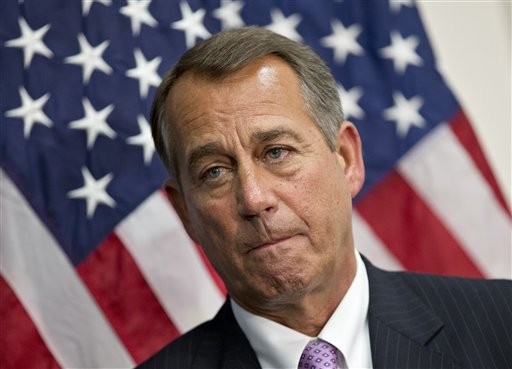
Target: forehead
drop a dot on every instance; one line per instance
(266, 77)
(264, 93)
(263, 85)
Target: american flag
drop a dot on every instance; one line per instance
(96, 269)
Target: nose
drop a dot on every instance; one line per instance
(255, 192)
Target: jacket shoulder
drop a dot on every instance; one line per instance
(441, 292)
(218, 343)
(461, 293)
(181, 352)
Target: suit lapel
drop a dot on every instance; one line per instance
(404, 331)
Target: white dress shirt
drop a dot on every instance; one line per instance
(280, 347)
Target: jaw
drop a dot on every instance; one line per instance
(301, 299)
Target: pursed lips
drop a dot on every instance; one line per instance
(260, 244)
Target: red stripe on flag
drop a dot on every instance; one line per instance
(21, 346)
(411, 231)
(466, 135)
(126, 299)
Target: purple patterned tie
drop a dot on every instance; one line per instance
(318, 355)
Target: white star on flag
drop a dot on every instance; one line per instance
(349, 101)
(31, 111)
(405, 113)
(94, 122)
(229, 14)
(138, 12)
(343, 40)
(31, 41)
(143, 139)
(93, 192)
(396, 5)
(402, 51)
(90, 58)
(192, 24)
(86, 5)
(285, 26)
(145, 72)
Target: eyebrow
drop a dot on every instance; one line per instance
(274, 134)
(213, 148)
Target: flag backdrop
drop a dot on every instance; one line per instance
(96, 270)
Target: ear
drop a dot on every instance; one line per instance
(173, 190)
(348, 146)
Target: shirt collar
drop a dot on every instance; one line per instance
(352, 339)
(278, 346)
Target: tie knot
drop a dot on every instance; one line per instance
(318, 355)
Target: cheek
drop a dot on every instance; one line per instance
(211, 213)
(216, 231)
(326, 200)
(210, 230)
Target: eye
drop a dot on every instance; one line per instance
(212, 173)
(276, 153)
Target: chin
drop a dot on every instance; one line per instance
(287, 287)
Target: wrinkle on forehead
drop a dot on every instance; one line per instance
(201, 106)
(268, 70)
(269, 74)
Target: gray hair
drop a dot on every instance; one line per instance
(230, 51)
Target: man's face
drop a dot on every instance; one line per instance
(260, 190)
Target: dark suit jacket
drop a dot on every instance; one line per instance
(416, 321)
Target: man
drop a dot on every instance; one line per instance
(263, 170)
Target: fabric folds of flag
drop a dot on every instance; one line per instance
(96, 269)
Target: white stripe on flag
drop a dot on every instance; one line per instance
(69, 321)
(368, 244)
(443, 174)
(170, 262)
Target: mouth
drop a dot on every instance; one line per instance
(270, 243)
